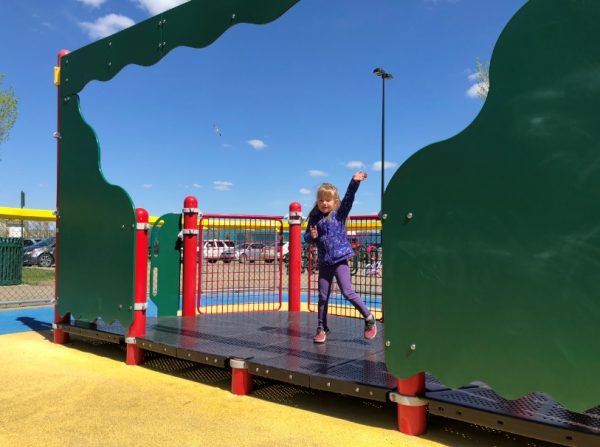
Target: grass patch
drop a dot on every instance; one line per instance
(36, 275)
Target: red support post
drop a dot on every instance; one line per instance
(135, 355)
(60, 336)
(412, 411)
(295, 256)
(241, 379)
(190, 255)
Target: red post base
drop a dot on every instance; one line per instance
(135, 355)
(412, 420)
(61, 337)
(241, 379)
(412, 415)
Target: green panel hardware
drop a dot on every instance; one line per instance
(492, 238)
(165, 264)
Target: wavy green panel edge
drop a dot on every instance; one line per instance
(97, 227)
(195, 24)
(495, 276)
(96, 219)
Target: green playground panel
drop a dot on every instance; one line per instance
(97, 219)
(494, 276)
(165, 264)
(97, 226)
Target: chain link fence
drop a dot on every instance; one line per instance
(27, 262)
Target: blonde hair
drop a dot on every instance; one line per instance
(329, 191)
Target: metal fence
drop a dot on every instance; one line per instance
(26, 262)
(240, 263)
(366, 268)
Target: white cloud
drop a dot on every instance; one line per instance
(147, 185)
(107, 25)
(316, 173)
(92, 3)
(221, 185)
(257, 144)
(355, 164)
(305, 191)
(226, 145)
(196, 185)
(388, 165)
(157, 6)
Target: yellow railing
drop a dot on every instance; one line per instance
(48, 216)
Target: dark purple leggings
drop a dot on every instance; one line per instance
(341, 271)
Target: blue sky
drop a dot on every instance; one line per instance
(261, 117)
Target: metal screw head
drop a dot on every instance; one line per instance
(388, 343)
(413, 347)
(409, 216)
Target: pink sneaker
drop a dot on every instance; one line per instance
(370, 329)
(321, 335)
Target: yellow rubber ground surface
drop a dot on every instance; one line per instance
(83, 394)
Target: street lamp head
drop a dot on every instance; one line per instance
(381, 72)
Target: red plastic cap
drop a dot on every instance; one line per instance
(62, 53)
(295, 206)
(190, 202)
(142, 215)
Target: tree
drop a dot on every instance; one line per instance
(8, 110)
(483, 77)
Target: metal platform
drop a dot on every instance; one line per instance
(279, 346)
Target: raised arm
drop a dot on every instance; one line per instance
(348, 199)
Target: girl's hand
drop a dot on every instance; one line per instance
(360, 176)
(313, 232)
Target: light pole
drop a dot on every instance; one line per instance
(384, 77)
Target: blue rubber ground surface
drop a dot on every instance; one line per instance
(37, 318)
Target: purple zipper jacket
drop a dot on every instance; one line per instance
(332, 241)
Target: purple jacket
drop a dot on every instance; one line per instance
(332, 241)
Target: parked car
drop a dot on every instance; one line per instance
(246, 252)
(274, 252)
(214, 248)
(29, 242)
(41, 253)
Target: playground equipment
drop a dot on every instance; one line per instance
(491, 243)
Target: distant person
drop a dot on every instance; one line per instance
(326, 227)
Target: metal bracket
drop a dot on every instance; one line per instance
(238, 364)
(140, 306)
(408, 401)
(191, 231)
(130, 340)
(142, 226)
(295, 218)
(191, 211)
